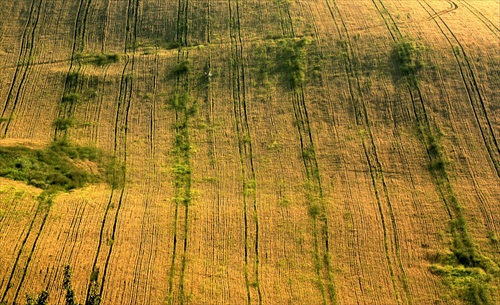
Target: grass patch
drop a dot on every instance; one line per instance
(60, 166)
(64, 123)
(407, 60)
(71, 98)
(471, 284)
(181, 68)
(291, 61)
(100, 60)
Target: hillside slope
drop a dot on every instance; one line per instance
(262, 152)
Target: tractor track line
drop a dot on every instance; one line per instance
(71, 85)
(362, 120)
(314, 189)
(31, 43)
(488, 23)
(245, 151)
(474, 93)
(21, 53)
(124, 97)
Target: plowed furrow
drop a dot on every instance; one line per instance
(492, 26)
(391, 243)
(470, 81)
(25, 59)
(73, 82)
(25, 253)
(250, 209)
(109, 224)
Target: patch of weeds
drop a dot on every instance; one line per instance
(94, 297)
(64, 123)
(285, 202)
(181, 68)
(291, 61)
(471, 284)
(37, 300)
(72, 79)
(407, 59)
(308, 153)
(492, 237)
(100, 60)
(71, 98)
(2, 120)
(59, 166)
(314, 210)
(70, 292)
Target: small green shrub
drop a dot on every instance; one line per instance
(105, 59)
(70, 98)
(64, 123)
(291, 59)
(37, 300)
(407, 58)
(101, 59)
(181, 68)
(54, 167)
(314, 210)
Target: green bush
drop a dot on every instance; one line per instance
(407, 58)
(291, 58)
(70, 98)
(181, 68)
(64, 123)
(54, 167)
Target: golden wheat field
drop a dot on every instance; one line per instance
(250, 152)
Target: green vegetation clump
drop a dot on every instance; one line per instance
(37, 300)
(57, 167)
(64, 123)
(70, 98)
(100, 60)
(181, 68)
(471, 284)
(291, 58)
(407, 58)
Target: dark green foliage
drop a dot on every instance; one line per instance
(70, 293)
(51, 168)
(94, 298)
(40, 300)
(471, 284)
(64, 123)
(72, 79)
(291, 58)
(179, 102)
(314, 210)
(181, 68)
(407, 58)
(106, 59)
(101, 59)
(70, 98)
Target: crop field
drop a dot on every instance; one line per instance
(250, 152)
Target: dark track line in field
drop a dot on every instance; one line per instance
(245, 149)
(43, 210)
(487, 22)
(19, 253)
(124, 101)
(314, 190)
(27, 46)
(473, 90)
(453, 6)
(179, 28)
(483, 206)
(375, 166)
(72, 80)
(183, 158)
